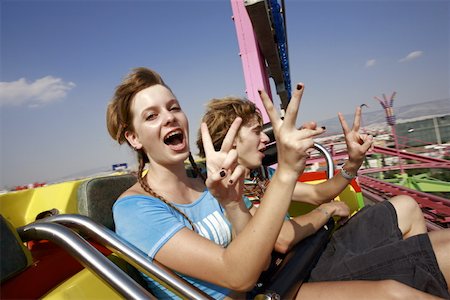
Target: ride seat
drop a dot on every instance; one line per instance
(96, 197)
(15, 257)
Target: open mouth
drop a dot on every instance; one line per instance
(174, 138)
(261, 150)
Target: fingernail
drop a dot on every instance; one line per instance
(323, 127)
(223, 173)
(299, 87)
(259, 92)
(230, 181)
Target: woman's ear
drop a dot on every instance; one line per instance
(133, 139)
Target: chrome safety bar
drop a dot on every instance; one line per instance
(87, 255)
(271, 151)
(328, 158)
(130, 254)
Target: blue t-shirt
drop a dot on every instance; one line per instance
(148, 223)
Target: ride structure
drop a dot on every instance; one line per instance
(261, 32)
(388, 106)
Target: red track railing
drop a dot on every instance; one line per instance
(436, 209)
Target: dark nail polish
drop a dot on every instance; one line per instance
(323, 127)
(259, 92)
(230, 181)
(222, 173)
(299, 87)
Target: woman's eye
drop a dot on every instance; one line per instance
(150, 117)
(175, 108)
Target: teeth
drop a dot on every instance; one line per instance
(174, 133)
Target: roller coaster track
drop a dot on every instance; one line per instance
(428, 162)
(436, 209)
(406, 167)
(408, 155)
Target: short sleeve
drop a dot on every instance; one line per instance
(146, 222)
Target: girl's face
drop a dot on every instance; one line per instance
(250, 144)
(160, 126)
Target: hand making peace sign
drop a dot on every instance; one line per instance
(357, 143)
(292, 143)
(225, 176)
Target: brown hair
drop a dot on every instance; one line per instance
(119, 119)
(220, 114)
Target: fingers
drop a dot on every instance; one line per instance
(227, 143)
(206, 140)
(309, 125)
(230, 159)
(309, 133)
(357, 119)
(238, 172)
(216, 176)
(368, 143)
(293, 106)
(344, 125)
(233, 178)
(270, 109)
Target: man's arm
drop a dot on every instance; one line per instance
(357, 146)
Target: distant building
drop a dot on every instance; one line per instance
(423, 131)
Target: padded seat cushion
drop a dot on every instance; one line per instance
(15, 257)
(96, 196)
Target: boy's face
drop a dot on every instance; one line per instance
(250, 144)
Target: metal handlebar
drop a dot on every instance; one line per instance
(130, 254)
(87, 255)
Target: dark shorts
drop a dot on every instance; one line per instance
(370, 246)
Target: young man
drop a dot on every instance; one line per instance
(371, 238)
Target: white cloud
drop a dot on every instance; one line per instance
(411, 56)
(42, 91)
(370, 63)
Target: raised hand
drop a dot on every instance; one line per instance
(357, 143)
(224, 175)
(292, 143)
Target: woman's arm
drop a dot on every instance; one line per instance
(239, 265)
(238, 215)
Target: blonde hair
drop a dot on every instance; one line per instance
(220, 114)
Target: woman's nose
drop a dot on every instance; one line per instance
(168, 117)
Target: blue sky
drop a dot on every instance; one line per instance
(60, 62)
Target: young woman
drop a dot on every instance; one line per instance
(388, 240)
(202, 230)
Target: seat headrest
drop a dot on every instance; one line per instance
(15, 257)
(96, 196)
